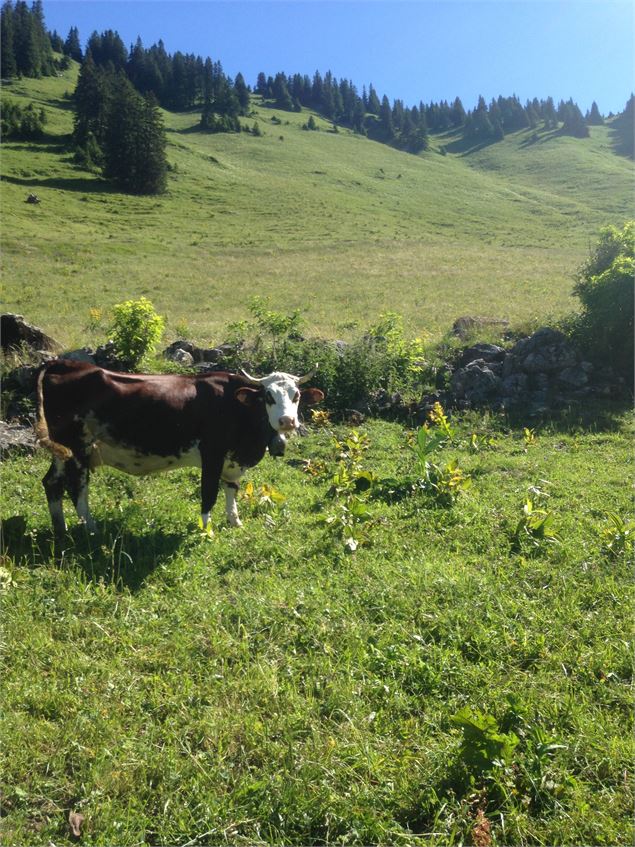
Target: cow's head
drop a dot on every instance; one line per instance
(282, 394)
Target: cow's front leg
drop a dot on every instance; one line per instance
(77, 474)
(211, 469)
(231, 510)
(231, 475)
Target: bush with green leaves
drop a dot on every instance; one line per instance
(24, 123)
(350, 374)
(136, 330)
(605, 288)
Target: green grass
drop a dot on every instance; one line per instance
(337, 225)
(264, 687)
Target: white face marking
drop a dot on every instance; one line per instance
(281, 401)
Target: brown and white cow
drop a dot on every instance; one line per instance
(141, 423)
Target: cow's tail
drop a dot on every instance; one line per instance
(42, 433)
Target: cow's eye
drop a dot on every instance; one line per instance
(296, 396)
(269, 398)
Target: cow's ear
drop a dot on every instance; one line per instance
(311, 396)
(247, 396)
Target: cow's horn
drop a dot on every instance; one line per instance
(307, 377)
(251, 378)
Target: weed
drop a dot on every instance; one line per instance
(617, 537)
(136, 329)
(534, 531)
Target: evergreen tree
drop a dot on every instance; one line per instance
(9, 67)
(594, 118)
(242, 93)
(57, 45)
(457, 113)
(573, 120)
(281, 93)
(72, 47)
(374, 105)
(134, 143)
(91, 100)
(261, 84)
(549, 114)
(385, 120)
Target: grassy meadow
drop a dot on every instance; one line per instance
(334, 224)
(464, 676)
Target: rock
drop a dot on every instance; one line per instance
(486, 352)
(465, 326)
(573, 378)
(177, 347)
(15, 332)
(183, 358)
(16, 439)
(199, 354)
(82, 354)
(475, 383)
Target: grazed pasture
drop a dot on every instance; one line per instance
(263, 685)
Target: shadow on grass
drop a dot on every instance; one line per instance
(590, 417)
(110, 555)
(81, 184)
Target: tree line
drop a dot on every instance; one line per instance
(118, 126)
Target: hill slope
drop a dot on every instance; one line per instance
(332, 223)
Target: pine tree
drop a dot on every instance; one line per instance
(8, 63)
(134, 143)
(242, 93)
(374, 105)
(385, 119)
(72, 47)
(594, 118)
(457, 113)
(573, 121)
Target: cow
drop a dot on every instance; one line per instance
(145, 423)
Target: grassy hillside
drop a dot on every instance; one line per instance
(332, 223)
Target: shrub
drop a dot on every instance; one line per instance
(25, 123)
(605, 288)
(136, 330)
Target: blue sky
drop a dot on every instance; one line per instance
(418, 50)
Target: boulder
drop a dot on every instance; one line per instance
(465, 326)
(486, 352)
(476, 383)
(16, 439)
(16, 332)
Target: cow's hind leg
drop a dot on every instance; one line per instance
(54, 483)
(77, 474)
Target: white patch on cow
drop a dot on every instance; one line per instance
(205, 519)
(83, 512)
(230, 476)
(138, 464)
(281, 401)
(231, 509)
